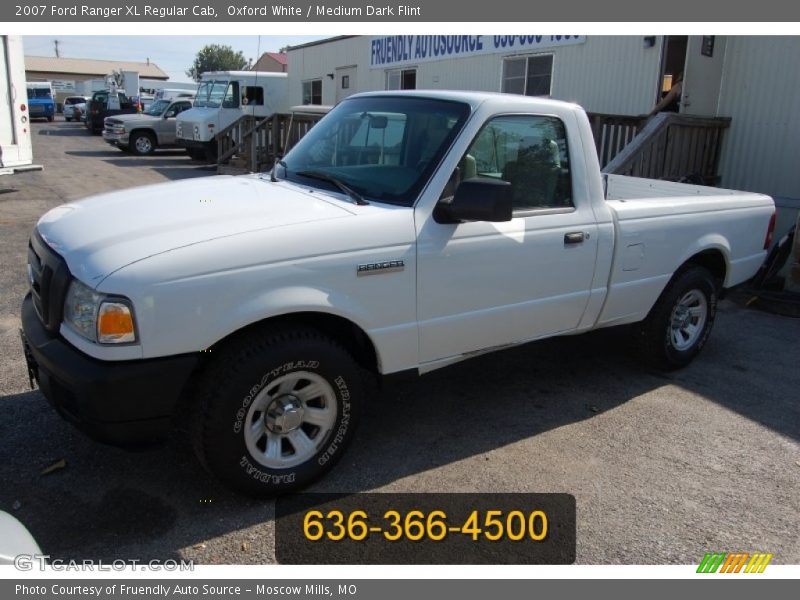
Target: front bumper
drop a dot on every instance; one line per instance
(116, 139)
(119, 402)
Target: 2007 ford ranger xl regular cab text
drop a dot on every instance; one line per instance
(404, 232)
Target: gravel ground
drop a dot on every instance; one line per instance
(663, 467)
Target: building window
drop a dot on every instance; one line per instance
(401, 79)
(312, 91)
(528, 75)
(345, 82)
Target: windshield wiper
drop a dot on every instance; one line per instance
(321, 175)
(280, 162)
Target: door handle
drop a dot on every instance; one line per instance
(575, 237)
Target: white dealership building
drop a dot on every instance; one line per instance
(754, 80)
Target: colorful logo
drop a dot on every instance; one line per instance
(734, 562)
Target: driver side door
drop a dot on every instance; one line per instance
(488, 284)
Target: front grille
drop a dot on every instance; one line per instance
(49, 279)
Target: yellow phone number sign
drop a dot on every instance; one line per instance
(416, 525)
(491, 528)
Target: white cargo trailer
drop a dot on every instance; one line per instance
(15, 134)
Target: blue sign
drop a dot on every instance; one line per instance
(395, 50)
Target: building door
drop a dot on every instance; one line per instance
(345, 82)
(673, 60)
(702, 75)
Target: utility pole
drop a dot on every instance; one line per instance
(56, 43)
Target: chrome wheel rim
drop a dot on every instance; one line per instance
(143, 145)
(290, 419)
(688, 319)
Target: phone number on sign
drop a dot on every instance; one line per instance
(415, 525)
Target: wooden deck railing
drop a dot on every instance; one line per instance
(612, 133)
(257, 143)
(674, 147)
(667, 146)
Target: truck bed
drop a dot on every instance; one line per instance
(658, 225)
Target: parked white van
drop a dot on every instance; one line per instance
(222, 98)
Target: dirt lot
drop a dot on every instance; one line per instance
(663, 467)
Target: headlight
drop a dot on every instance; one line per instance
(97, 317)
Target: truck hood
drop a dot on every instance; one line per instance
(199, 114)
(138, 117)
(104, 233)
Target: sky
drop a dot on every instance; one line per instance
(174, 54)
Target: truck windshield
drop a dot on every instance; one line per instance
(39, 93)
(211, 93)
(156, 108)
(383, 147)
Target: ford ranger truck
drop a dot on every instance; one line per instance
(406, 231)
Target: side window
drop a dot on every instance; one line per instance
(529, 152)
(253, 94)
(231, 99)
(177, 108)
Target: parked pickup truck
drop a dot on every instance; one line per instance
(142, 133)
(404, 232)
(105, 104)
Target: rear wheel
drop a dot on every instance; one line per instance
(276, 410)
(142, 143)
(680, 322)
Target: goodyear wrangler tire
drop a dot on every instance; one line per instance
(277, 410)
(678, 325)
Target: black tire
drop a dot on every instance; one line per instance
(239, 391)
(141, 143)
(68, 119)
(662, 339)
(50, 119)
(211, 152)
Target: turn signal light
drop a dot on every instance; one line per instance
(115, 324)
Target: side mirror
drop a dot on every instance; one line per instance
(477, 199)
(169, 114)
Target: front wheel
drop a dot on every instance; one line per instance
(276, 410)
(680, 322)
(142, 143)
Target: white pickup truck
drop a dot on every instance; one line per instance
(404, 232)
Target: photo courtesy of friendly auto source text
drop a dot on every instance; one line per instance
(388, 297)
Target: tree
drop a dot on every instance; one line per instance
(215, 57)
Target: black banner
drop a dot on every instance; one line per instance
(425, 529)
(413, 11)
